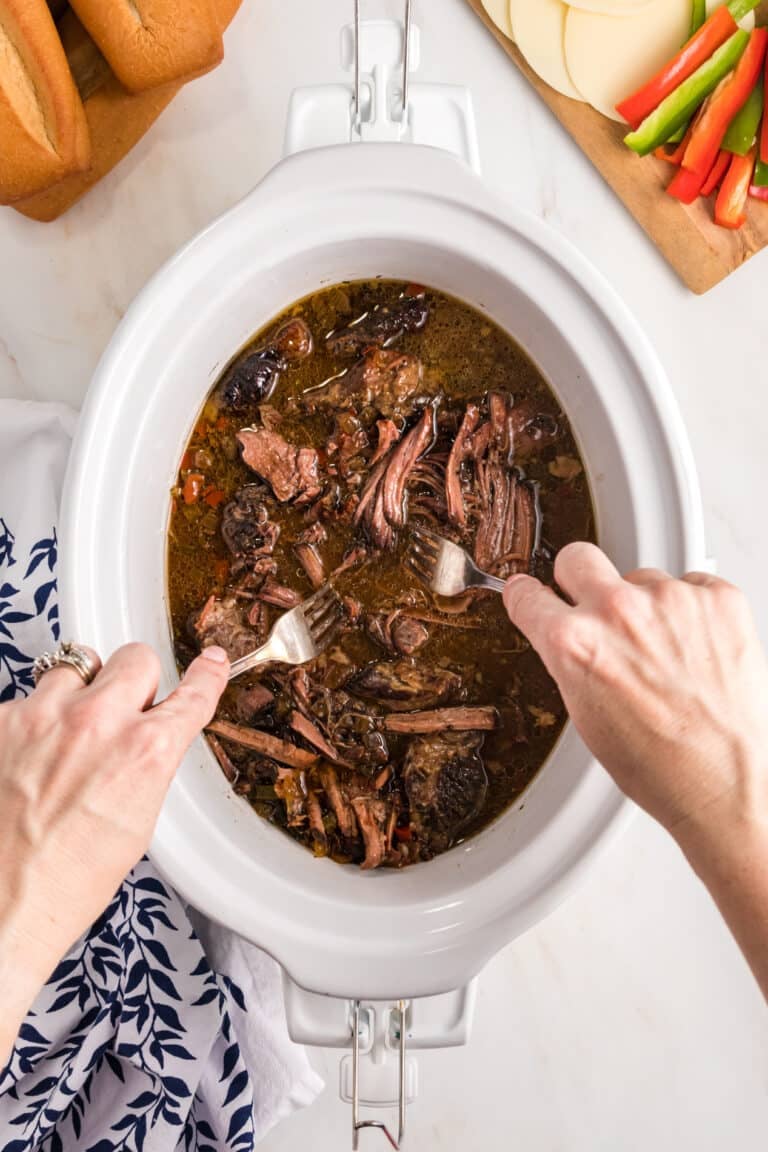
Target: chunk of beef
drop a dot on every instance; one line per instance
(382, 326)
(264, 744)
(292, 473)
(459, 453)
(385, 380)
(278, 595)
(402, 686)
(383, 505)
(338, 803)
(252, 701)
(310, 732)
(348, 444)
(463, 719)
(246, 527)
(446, 784)
(397, 632)
(316, 824)
(306, 549)
(389, 434)
(507, 505)
(373, 815)
(222, 622)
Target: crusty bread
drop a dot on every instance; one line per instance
(43, 128)
(149, 43)
(116, 119)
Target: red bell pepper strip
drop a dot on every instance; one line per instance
(691, 56)
(758, 193)
(685, 185)
(733, 93)
(764, 131)
(731, 203)
(719, 170)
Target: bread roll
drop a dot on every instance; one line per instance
(42, 122)
(149, 43)
(116, 119)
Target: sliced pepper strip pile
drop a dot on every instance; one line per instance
(714, 32)
(731, 203)
(710, 129)
(764, 132)
(678, 107)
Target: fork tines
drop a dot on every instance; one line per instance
(423, 553)
(322, 612)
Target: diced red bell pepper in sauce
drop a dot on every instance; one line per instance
(710, 128)
(193, 487)
(731, 203)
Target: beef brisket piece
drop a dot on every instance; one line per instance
(385, 380)
(402, 686)
(446, 784)
(222, 623)
(292, 473)
(382, 326)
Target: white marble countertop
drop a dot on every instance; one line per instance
(628, 1020)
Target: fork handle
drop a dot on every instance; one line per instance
(263, 655)
(485, 580)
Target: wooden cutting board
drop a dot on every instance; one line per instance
(701, 253)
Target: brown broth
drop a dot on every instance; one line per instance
(472, 356)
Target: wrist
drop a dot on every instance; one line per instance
(731, 831)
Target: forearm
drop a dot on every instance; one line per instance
(24, 967)
(731, 859)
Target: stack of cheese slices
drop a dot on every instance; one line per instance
(597, 51)
(80, 83)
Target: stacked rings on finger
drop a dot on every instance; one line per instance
(69, 656)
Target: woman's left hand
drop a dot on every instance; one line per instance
(83, 774)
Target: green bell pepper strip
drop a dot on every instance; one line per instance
(698, 17)
(679, 106)
(760, 178)
(744, 127)
(741, 8)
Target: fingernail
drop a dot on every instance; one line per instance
(215, 655)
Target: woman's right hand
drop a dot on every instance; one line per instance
(665, 680)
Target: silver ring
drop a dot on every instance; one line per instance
(72, 657)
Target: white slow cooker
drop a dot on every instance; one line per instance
(336, 214)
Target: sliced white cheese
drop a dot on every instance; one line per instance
(609, 57)
(539, 29)
(610, 7)
(498, 10)
(747, 23)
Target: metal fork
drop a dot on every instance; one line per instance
(445, 568)
(299, 635)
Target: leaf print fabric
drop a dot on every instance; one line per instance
(136, 1044)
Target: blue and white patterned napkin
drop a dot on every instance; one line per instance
(139, 1042)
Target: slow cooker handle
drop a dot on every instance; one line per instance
(381, 104)
(379, 1037)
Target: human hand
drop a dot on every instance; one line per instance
(83, 774)
(665, 680)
